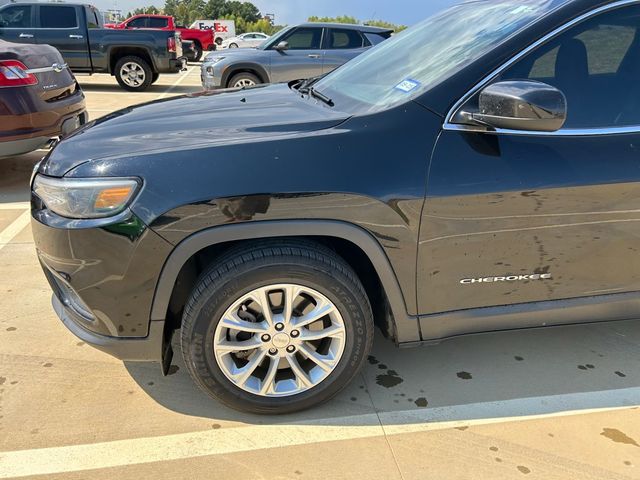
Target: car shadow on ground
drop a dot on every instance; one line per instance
(15, 173)
(155, 89)
(503, 375)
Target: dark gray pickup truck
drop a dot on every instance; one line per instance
(135, 57)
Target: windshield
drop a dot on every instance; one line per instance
(412, 62)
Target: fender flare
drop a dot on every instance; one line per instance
(242, 67)
(407, 328)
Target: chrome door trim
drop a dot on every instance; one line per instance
(448, 125)
(56, 67)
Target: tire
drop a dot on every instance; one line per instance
(233, 45)
(219, 41)
(266, 267)
(144, 76)
(198, 52)
(154, 77)
(244, 80)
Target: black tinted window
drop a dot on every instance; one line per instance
(18, 16)
(158, 22)
(304, 39)
(57, 17)
(376, 38)
(137, 23)
(342, 38)
(596, 65)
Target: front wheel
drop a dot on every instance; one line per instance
(233, 45)
(277, 328)
(133, 74)
(244, 80)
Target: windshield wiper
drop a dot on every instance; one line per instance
(320, 96)
(302, 86)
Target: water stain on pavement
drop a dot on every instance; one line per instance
(2, 380)
(390, 379)
(421, 402)
(618, 437)
(518, 358)
(524, 470)
(464, 375)
(620, 374)
(372, 360)
(11, 329)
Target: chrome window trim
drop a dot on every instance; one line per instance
(450, 126)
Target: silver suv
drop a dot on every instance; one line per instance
(296, 52)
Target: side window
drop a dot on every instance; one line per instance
(56, 16)
(344, 39)
(376, 38)
(304, 39)
(155, 22)
(140, 22)
(596, 64)
(18, 16)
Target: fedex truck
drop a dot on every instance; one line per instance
(222, 29)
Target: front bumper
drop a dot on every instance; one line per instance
(147, 349)
(210, 77)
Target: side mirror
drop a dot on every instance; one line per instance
(282, 46)
(521, 105)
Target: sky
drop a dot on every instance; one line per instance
(406, 12)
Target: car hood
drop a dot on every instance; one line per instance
(193, 121)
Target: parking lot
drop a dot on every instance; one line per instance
(548, 404)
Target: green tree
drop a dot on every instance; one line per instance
(383, 24)
(353, 20)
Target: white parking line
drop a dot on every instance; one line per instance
(14, 228)
(75, 458)
(14, 206)
(177, 82)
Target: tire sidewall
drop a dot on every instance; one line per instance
(200, 354)
(238, 76)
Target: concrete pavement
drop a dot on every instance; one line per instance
(559, 403)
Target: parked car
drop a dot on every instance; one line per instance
(202, 39)
(222, 29)
(135, 58)
(39, 98)
(246, 40)
(297, 52)
(476, 173)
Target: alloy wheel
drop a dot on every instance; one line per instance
(132, 74)
(279, 340)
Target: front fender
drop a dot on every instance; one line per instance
(406, 326)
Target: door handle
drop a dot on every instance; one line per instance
(25, 35)
(314, 55)
(79, 37)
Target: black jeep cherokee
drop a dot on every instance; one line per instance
(479, 172)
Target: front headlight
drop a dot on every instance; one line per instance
(85, 197)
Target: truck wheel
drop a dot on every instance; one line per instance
(133, 74)
(276, 327)
(219, 41)
(244, 79)
(154, 77)
(233, 45)
(198, 52)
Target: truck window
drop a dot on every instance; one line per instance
(158, 22)
(140, 22)
(56, 16)
(17, 16)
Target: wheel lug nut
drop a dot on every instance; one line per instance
(273, 351)
(291, 349)
(266, 337)
(295, 333)
(279, 326)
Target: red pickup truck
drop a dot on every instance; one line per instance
(202, 39)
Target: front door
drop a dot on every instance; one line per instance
(303, 59)
(17, 24)
(60, 27)
(529, 217)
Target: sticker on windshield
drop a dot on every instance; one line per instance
(408, 85)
